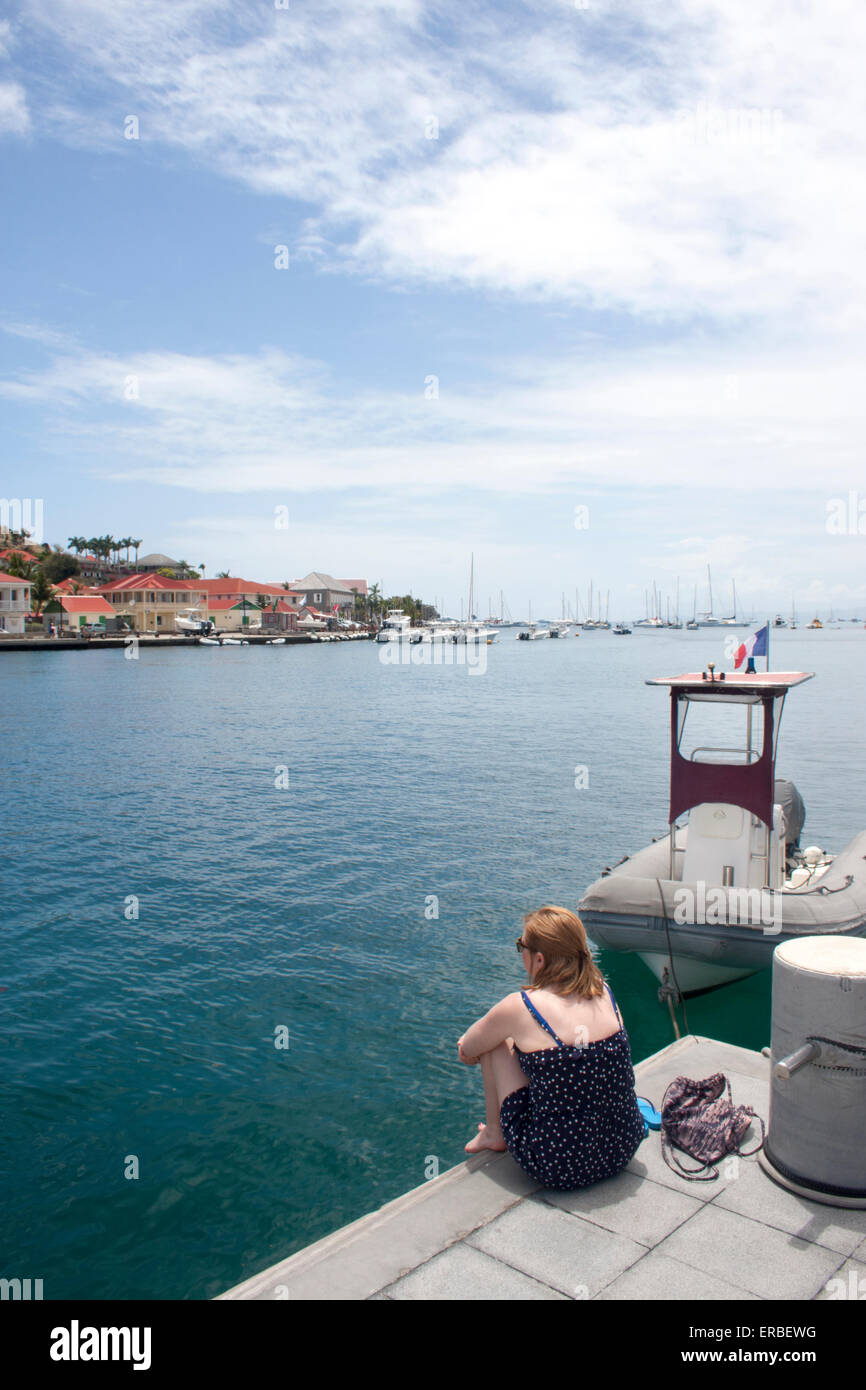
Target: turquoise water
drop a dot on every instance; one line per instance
(302, 907)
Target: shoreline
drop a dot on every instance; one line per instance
(59, 644)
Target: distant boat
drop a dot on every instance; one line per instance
(815, 623)
(622, 631)
(397, 627)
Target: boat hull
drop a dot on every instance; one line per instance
(716, 934)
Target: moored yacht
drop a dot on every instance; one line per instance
(397, 627)
(191, 620)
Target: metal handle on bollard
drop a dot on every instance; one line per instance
(785, 1069)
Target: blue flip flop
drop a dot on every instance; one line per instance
(652, 1118)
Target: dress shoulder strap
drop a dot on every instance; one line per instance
(613, 1001)
(543, 1021)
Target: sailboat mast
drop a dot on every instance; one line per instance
(710, 587)
(471, 581)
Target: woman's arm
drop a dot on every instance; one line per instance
(488, 1032)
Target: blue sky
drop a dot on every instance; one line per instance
(539, 257)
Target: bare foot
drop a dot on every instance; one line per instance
(485, 1140)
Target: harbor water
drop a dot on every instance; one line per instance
(252, 896)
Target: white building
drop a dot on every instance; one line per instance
(14, 604)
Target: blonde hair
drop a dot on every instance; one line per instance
(568, 964)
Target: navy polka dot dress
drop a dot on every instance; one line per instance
(578, 1119)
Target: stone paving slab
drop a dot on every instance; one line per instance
(570, 1254)
(751, 1256)
(848, 1284)
(658, 1277)
(754, 1194)
(465, 1273)
(633, 1206)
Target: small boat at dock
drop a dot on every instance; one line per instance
(709, 902)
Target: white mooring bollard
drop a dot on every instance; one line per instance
(816, 1138)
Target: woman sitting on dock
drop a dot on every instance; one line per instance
(558, 1078)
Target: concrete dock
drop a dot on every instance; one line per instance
(484, 1230)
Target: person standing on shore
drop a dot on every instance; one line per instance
(557, 1069)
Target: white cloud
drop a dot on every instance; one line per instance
(14, 115)
(251, 423)
(604, 156)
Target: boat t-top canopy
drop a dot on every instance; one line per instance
(748, 782)
(759, 683)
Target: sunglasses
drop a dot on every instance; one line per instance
(521, 944)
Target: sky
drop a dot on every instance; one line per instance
(576, 289)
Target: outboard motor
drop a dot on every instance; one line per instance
(794, 812)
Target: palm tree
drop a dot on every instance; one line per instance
(20, 568)
(135, 544)
(42, 592)
(374, 600)
(224, 574)
(202, 567)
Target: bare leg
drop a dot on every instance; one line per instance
(502, 1074)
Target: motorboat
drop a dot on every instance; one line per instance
(621, 630)
(191, 620)
(814, 625)
(474, 632)
(533, 633)
(397, 627)
(559, 629)
(709, 902)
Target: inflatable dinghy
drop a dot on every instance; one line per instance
(709, 903)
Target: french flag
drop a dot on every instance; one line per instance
(756, 645)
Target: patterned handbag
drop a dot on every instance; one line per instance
(701, 1122)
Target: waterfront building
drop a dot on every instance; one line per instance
(153, 601)
(323, 591)
(14, 604)
(82, 610)
(230, 587)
